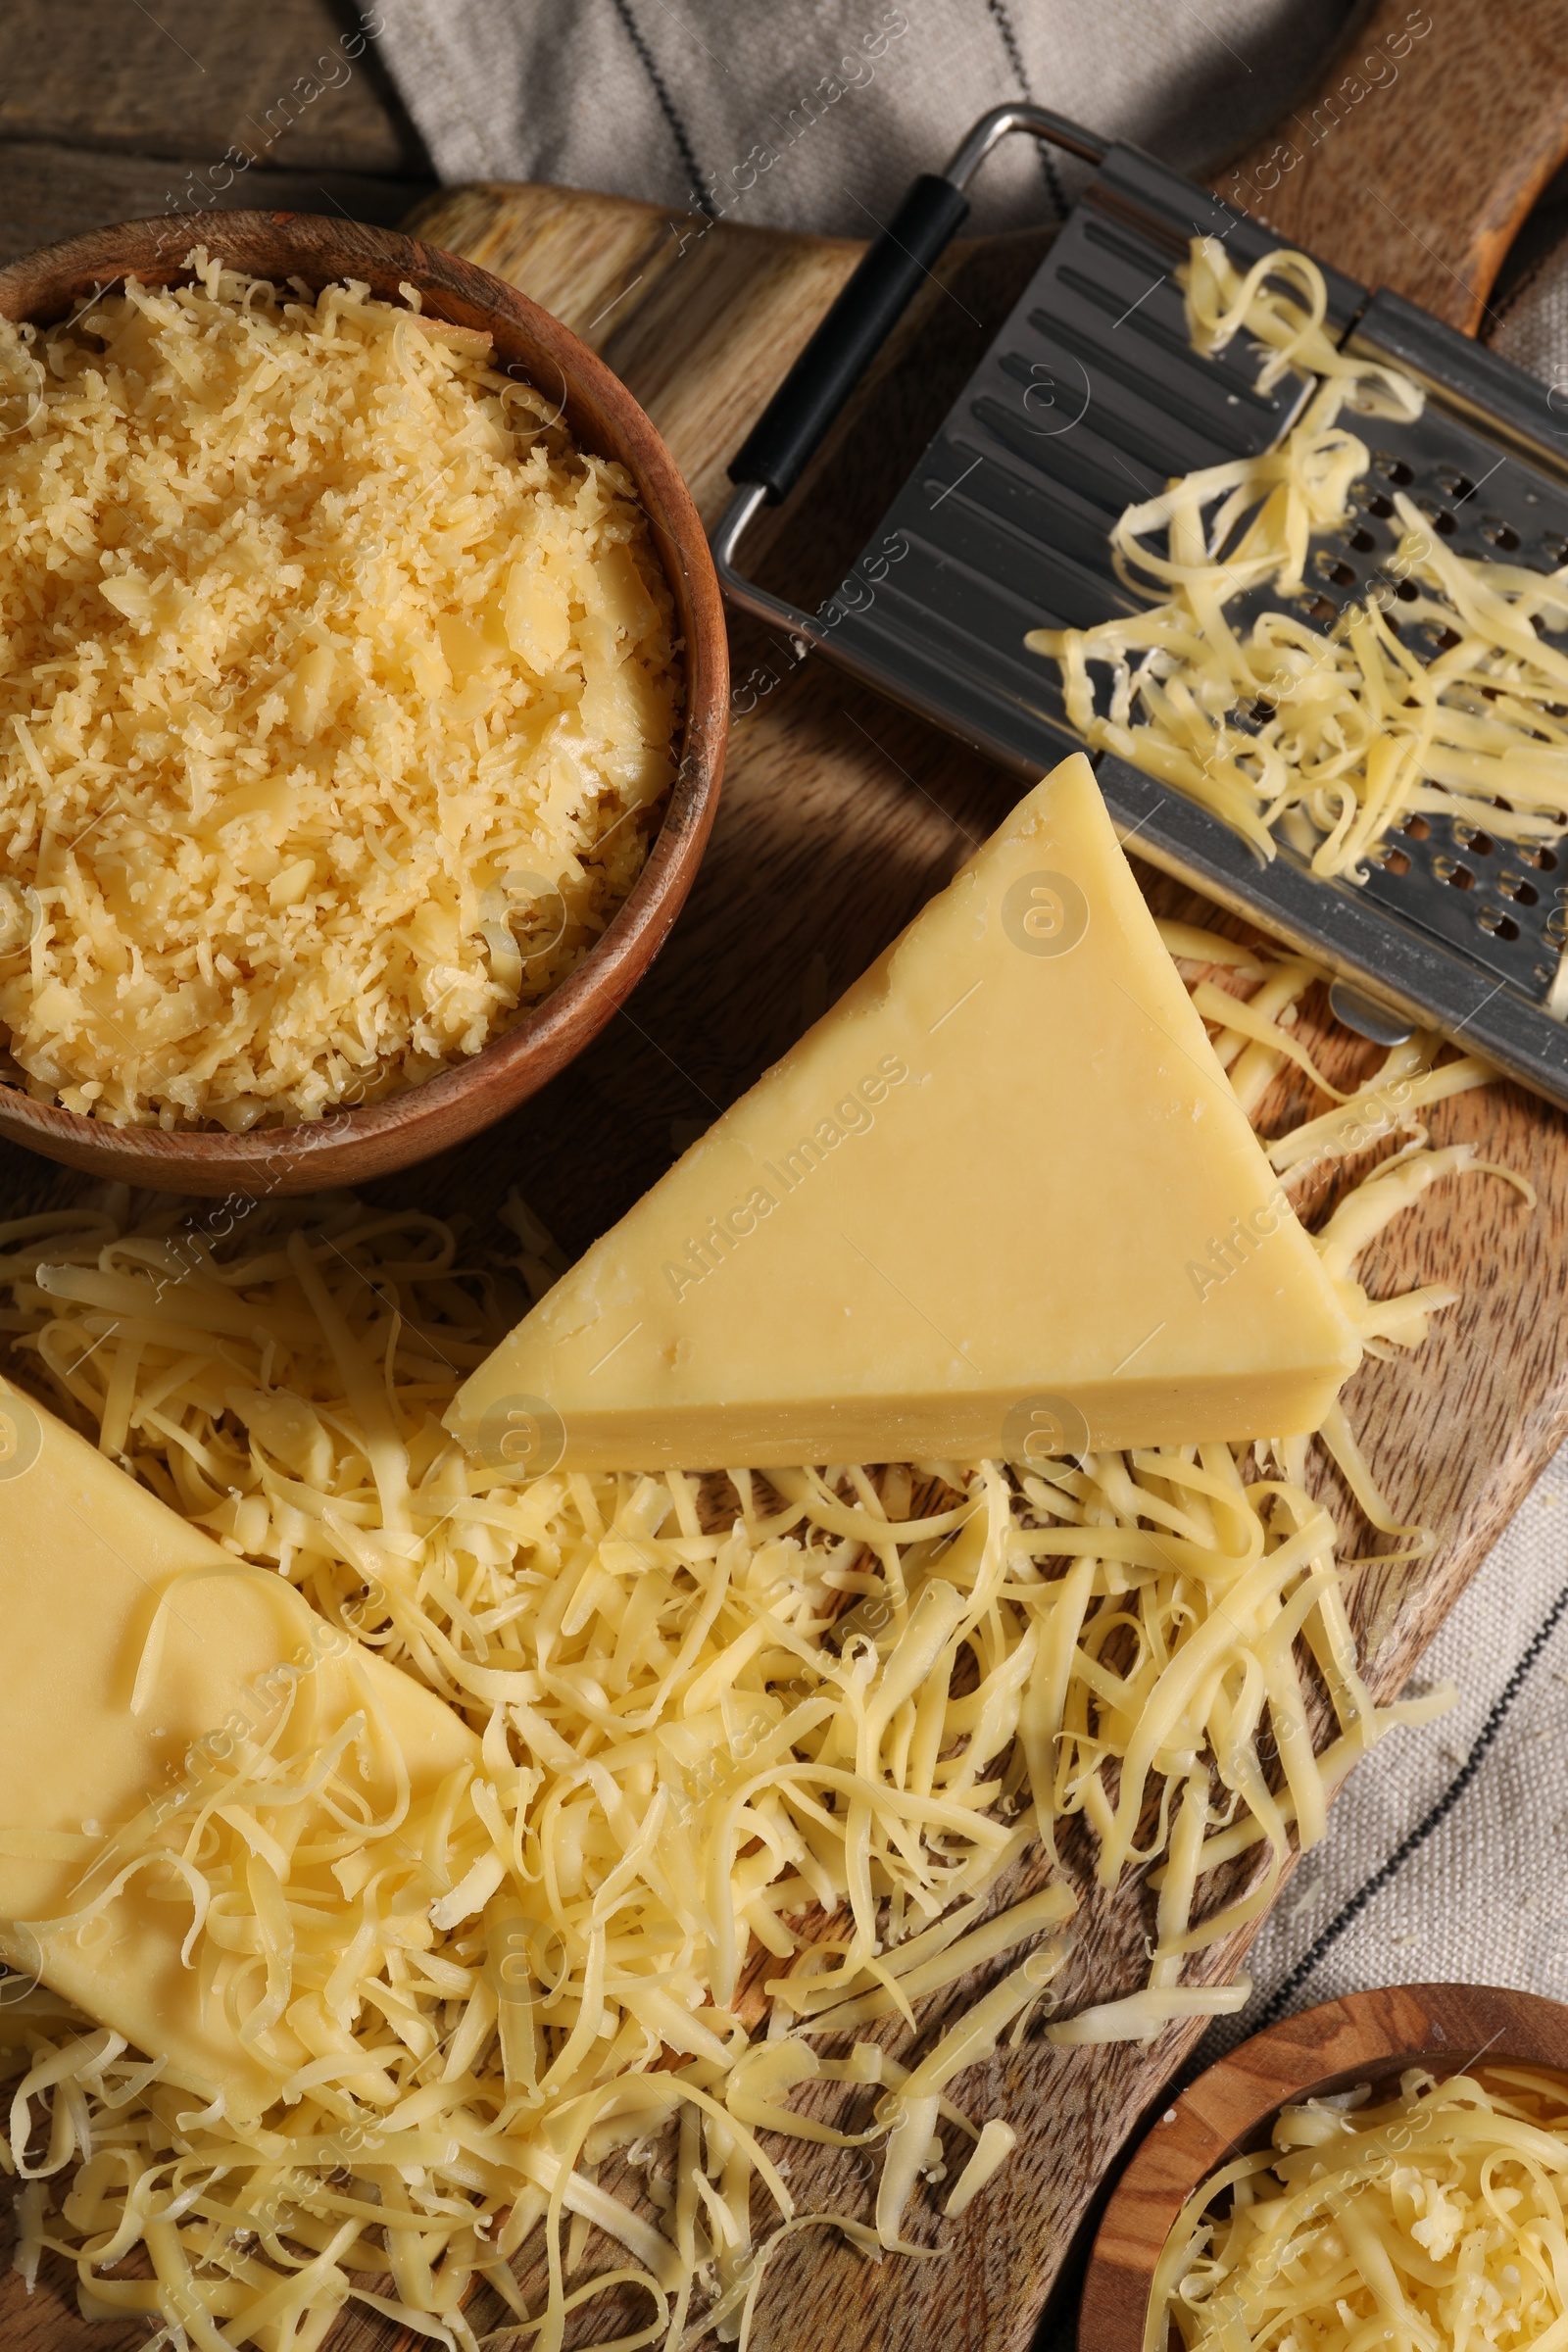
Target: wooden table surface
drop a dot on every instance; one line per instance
(842, 816)
(110, 110)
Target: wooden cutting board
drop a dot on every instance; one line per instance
(840, 816)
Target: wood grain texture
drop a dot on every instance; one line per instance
(1229, 2111)
(295, 84)
(700, 320)
(49, 191)
(840, 816)
(351, 1146)
(111, 112)
(1417, 159)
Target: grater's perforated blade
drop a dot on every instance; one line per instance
(1090, 397)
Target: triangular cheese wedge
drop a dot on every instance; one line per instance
(1001, 1201)
(131, 1638)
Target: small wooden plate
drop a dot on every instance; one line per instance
(351, 1146)
(1229, 2110)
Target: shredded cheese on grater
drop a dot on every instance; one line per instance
(1435, 2217)
(1441, 688)
(338, 694)
(766, 1764)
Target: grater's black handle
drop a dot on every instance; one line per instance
(863, 316)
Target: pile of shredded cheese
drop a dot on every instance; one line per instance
(337, 689)
(759, 1759)
(1333, 735)
(1434, 2218)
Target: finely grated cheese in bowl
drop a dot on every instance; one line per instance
(338, 691)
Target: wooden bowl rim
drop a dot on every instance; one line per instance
(373, 1139)
(1367, 2037)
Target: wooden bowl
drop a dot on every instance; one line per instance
(1230, 2111)
(351, 1146)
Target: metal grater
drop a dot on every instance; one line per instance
(1091, 397)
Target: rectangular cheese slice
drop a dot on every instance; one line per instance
(86, 1555)
(1001, 1201)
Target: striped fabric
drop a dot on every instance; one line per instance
(816, 114)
